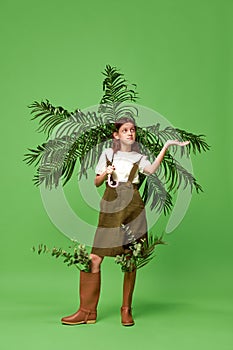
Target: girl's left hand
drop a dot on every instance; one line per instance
(176, 143)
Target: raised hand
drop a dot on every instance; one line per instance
(176, 143)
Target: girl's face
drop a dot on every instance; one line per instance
(126, 134)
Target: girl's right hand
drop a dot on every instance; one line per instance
(110, 169)
(112, 183)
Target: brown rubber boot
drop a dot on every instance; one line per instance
(89, 292)
(128, 288)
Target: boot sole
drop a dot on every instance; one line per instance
(82, 322)
(128, 324)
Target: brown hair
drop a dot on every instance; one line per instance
(116, 143)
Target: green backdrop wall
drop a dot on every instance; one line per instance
(180, 55)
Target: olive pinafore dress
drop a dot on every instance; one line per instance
(119, 206)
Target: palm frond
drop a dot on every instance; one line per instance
(78, 123)
(86, 149)
(151, 142)
(35, 155)
(49, 115)
(117, 91)
(154, 135)
(116, 87)
(52, 162)
(155, 192)
(197, 142)
(175, 175)
(59, 156)
(92, 144)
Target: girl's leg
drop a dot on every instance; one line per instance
(96, 261)
(128, 288)
(89, 291)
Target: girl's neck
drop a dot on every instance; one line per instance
(125, 148)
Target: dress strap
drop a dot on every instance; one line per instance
(134, 170)
(108, 162)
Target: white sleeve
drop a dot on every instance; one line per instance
(143, 163)
(101, 165)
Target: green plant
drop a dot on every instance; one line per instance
(139, 252)
(78, 256)
(79, 136)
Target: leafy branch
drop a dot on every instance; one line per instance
(49, 115)
(117, 92)
(155, 191)
(79, 257)
(140, 251)
(197, 142)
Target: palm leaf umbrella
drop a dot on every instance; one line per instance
(80, 137)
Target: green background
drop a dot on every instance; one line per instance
(180, 55)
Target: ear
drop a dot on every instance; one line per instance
(115, 135)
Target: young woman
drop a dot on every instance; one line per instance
(121, 204)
